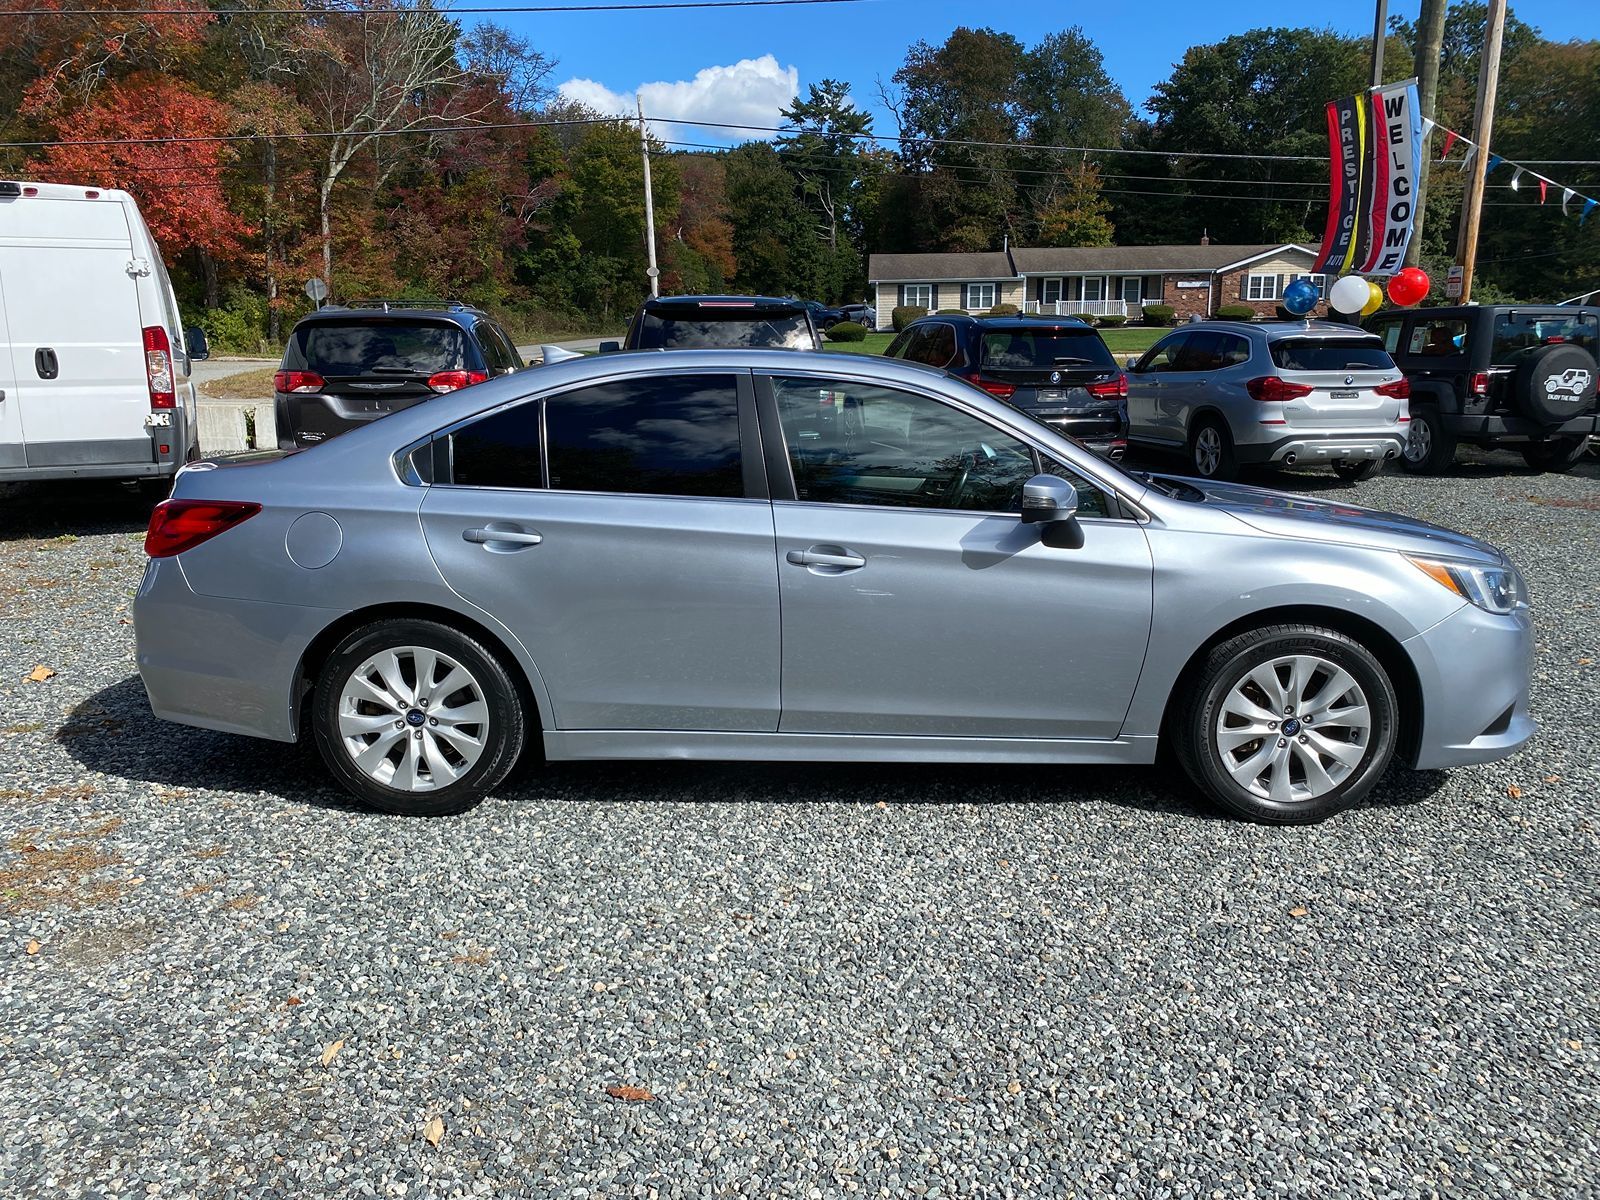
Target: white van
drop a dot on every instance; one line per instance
(94, 364)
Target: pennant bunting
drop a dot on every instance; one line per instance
(1472, 153)
(1450, 136)
(1566, 195)
(1425, 126)
(1588, 206)
(1516, 180)
(1494, 161)
(1544, 189)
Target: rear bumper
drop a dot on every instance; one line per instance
(1357, 445)
(121, 458)
(1474, 669)
(217, 663)
(1503, 428)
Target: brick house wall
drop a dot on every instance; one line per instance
(1189, 296)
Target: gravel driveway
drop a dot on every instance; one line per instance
(221, 980)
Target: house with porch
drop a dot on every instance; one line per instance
(1093, 281)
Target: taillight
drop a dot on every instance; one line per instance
(1272, 390)
(454, 381)
(297, 381)
(179, 525)
(1480, 384)
(1003, 391)
(158, 368)
(1107, 389)
(1400, 389)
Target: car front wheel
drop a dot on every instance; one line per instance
(1288, 724)
(417, 718)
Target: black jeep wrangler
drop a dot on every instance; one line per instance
(1513, 375)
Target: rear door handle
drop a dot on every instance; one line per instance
(44, 362)
(490, 536)
(826, 556)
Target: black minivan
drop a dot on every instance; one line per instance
(349, 364)
(1056, 369)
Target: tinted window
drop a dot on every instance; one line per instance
(1331, 354)
(513, 359)
(1233, 349)
(500, 450)
(672, 436)
(376, 347)
(1164, 355)
(1389, 331)
(1043, 349)
(1518, 336)
(934, 345)
(1439, 338)
(1202, 352)
(733, 328)
(856, 443)
(493, 355)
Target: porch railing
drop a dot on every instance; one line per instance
(1077, 308)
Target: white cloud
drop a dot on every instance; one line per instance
(752, 91)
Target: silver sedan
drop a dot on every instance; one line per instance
(763, 555)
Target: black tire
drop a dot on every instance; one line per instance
(1355, 472)
(1556, 454)
(503, 738)
(1220, 465)
(1430, 448)
(1228, 665)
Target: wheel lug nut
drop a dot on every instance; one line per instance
(433, 720)
(1303, 739)
(1272, 724)
(417, 735)
(423, 703)
(1288, 710)
(1282, 743)
(399, 724)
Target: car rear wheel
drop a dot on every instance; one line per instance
(1211, 450)
(1430, 447)
(417, 718)
(1556, 454)
(1288, 724)
(1355, 472)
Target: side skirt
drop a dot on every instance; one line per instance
(571, 745)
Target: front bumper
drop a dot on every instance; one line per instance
(1474, 669)
(1303, 448)
(218, 663)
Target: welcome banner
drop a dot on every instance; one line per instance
(1374, 146)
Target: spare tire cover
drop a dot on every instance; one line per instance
(1557, 384)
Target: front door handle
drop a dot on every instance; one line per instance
(826, 556)
(45, 363)
(495, 536)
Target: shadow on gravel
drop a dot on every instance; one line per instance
(114, 732)
(80, 507)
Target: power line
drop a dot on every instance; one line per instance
(396, 12)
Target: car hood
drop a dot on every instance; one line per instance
(1285, 515)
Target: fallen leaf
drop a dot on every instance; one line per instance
(1574, 1044)
(292, 1001)
(331, 1051)
(1552, 779)
(882, 804)
(1297, 911)
(40, 673)
(892, 1153)
(599, 987)
(32, 947)
(1513, 791)
(1013, 1087)
(433, 1131)
(1584, 662)
(626, 1091)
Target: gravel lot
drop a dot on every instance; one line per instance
(222, 980)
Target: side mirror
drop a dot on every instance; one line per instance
(1131, 364)
(1047, 499)
(610, 347)
(195, 338)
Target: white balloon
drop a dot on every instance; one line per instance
(1349, 294)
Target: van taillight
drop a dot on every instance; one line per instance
(1480, 384)
(1400, 389)
(179, 525)
(297, 381)
(158, 368)
(454, 381)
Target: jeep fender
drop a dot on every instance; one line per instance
(1436, 392)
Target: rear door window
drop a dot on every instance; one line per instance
(1331, 354)
(341, 348)
(1389, 331)
(936, 345)
(1437, 338)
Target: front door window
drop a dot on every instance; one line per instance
(1133, 289)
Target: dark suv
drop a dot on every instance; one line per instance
(349, 364)
(1516, 375)
(720, 323)
(1055, 369)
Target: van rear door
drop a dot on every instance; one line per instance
(11, 456)
(77, 349)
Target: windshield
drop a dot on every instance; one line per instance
(736, 329)
(332, 348)
(1331, 354)
(1043, 349)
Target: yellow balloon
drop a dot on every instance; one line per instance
(1374, 299)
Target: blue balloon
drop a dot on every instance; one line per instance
(1300, 297)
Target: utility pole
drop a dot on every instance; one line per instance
(1482, 130)
(1430, 41)
(649, 205)
(1380, 33)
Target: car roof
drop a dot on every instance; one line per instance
(456, 314)
(1276, 330)
(1016, 321)
(741, 301)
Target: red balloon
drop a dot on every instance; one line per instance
(1409, 287)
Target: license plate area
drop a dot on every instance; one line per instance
(1344, 394)
(157, 420)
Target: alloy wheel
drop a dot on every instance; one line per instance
(1419, 442)
(413, 718)
(1293, 728)
(1207, 450)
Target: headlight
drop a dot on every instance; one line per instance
(1493, 589)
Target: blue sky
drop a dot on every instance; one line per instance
(742, 65)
